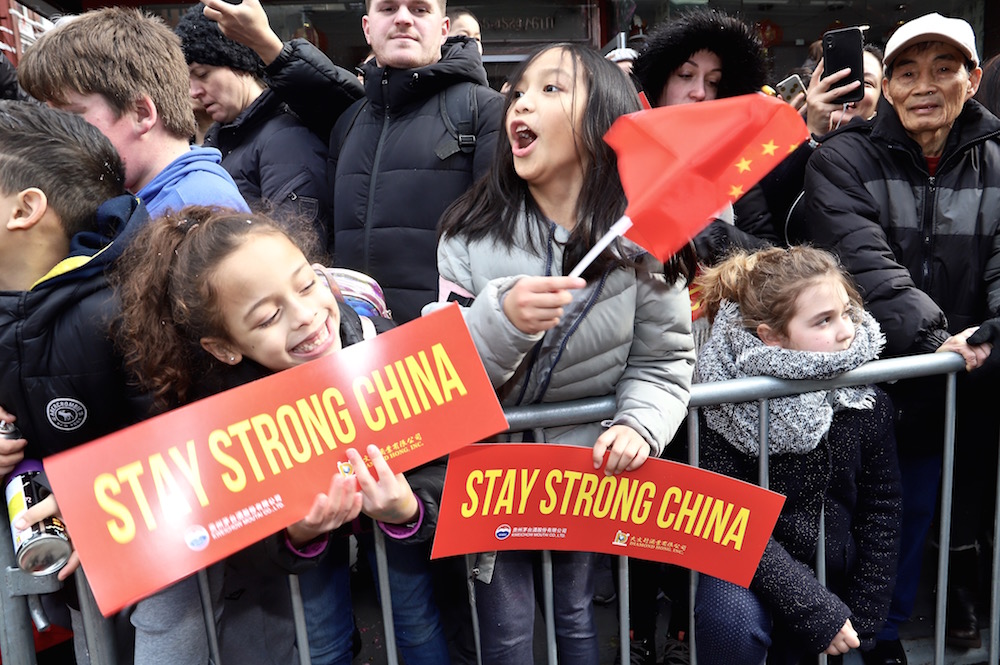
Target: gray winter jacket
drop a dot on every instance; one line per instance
(627, 334)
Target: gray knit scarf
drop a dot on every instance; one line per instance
(797, 422)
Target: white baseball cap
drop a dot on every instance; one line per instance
(933, 28)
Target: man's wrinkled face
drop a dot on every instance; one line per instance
(928, 87)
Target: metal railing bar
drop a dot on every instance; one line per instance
(947, 483)
(385, 598)
(624, 613)
(299, 619)
(205, 592)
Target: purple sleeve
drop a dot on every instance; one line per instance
(402, 531)
(310, 550)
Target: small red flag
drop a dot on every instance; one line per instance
(680, 164)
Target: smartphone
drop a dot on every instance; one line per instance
(842, 49)
(790, 87)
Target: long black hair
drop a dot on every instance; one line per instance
(490, 208)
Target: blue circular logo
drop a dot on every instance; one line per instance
(196, 537)
(502, 532)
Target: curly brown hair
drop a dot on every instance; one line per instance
(166, 283)
(765, 284)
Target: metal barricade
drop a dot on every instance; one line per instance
(15, 633)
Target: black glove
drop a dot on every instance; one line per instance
(989, 331)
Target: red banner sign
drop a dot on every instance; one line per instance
(153, 503)
(549, 497)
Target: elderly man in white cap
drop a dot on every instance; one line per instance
(910, 201)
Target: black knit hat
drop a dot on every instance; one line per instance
(204, 43)
(670, 44)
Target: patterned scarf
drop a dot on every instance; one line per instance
(797, 422)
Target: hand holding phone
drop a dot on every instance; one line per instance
(843, 49)
(790, 87)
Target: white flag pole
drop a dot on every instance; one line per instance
(617, 229)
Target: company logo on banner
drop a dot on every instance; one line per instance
(549, 497)
(158, 501)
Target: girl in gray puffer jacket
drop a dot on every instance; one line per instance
(622, 329)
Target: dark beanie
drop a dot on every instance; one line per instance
(204, 43)
(670, 44)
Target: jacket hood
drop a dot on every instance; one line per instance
(91, 252)
(670, 44)
(460, 61)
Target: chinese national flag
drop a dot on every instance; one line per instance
(680, 164)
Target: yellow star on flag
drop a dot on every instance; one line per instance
(736, 191)
(768, 148)
(792, 147)
(743, 165)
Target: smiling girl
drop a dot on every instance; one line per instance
(622, 329)
(794, 314)
(212, 299)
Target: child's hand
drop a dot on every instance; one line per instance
(388, 499)
(628, 449)
(844, 641)
(46, 508)
(341, 504)
(534, 304)
(245, 22)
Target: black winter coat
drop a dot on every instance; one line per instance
(390, 187)
(59, 371)
(925, 250)
(278, 164)
(855, 474)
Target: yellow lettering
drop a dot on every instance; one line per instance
(664, 520)
(392, 394)
(547, 505)
(239, 430)
(447, 375)
(571, 477)
(491, 476)
(718, 521)
(130, 473)
(688, 511)
(642, 507)
(189, 468)
(605, 496)
(122, 528)
(506, 498)
(172, 501)
(423, 379)
(378, 422)
(287, 415)
(526, 485)
(267, 436)
(404, 379)
(470, 506)
(343, 425)
(738, 529)
(235, 479)
(585, 494)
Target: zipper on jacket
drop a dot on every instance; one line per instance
(927, 234)
(367, 221)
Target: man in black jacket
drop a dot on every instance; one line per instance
(394, 163)
(910, 203)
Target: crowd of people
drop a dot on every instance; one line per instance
(143, 268)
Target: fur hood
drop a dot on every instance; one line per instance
(671, 43)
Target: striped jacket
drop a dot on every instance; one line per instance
(924, 250)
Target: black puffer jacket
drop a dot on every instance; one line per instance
(390, 187)
(59, 372)
(854, 473)
(925, 250)
(278, 164)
